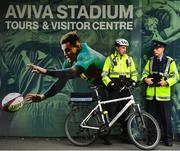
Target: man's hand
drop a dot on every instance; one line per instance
(34, 97)
(148, 81)
(163, 83)
(37, 69)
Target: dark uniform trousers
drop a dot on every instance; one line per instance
(114, 108)
(162, 111)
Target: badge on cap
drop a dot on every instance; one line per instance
(158, 44)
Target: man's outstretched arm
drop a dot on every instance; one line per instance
(64, 75)
(68, 73)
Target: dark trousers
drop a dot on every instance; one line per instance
(162, 111)
(114, 108)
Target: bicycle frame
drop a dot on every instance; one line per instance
(140, 124)
(99, 105)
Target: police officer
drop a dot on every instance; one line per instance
(119, 69)
(159, 74)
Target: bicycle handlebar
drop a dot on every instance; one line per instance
(134, 85)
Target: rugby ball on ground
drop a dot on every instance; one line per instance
(12, 102)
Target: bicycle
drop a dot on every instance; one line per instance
(83, 124)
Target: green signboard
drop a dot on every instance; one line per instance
(30, 31)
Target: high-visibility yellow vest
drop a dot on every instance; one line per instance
(170, 73)
(116, 65)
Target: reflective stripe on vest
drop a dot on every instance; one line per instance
(159, 98)
(165, 74)
(104, 73)
(119, 73)
(163, 98)
(167, 67)
(149, 97)
(150, 66)
(128, 63)
(111, 60)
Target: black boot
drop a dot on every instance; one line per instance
(107, 141)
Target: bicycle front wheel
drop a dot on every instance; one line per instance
(75, 133)
(144, 131)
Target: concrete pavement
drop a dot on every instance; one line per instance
(21, 143)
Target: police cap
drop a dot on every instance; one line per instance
(158, 44)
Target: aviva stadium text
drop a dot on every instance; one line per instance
(69, 12)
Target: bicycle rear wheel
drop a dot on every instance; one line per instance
(75, 133)
(145, 136)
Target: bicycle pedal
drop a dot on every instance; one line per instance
(104, 129)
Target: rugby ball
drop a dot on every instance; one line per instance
(12, 102)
